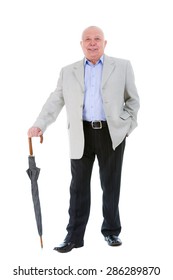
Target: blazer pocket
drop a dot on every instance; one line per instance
(125, 115)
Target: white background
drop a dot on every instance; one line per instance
(37, 39)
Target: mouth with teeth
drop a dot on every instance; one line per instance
(92, 49)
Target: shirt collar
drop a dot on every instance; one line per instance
(86, 61)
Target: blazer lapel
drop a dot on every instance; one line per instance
(108, 67)
(79, 73)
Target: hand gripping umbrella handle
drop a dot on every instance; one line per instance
(30, 144)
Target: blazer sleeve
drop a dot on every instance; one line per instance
(52, 107)
(131, 96)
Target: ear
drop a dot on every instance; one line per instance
(105, 43)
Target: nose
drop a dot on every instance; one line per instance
(92, 42)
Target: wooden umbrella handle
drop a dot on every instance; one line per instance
(30, 144)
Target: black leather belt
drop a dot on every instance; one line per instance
(96, 124)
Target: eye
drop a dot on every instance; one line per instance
(97, 39)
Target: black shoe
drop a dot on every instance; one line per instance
(113, 240)
(66, 247)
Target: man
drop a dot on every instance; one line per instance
(102, 104)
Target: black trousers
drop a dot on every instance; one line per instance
(97, 144)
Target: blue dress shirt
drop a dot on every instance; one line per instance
(93, 104)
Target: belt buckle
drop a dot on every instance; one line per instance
(95, 127)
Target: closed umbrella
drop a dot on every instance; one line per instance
(33, 173)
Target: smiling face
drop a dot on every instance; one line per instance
(93, 43)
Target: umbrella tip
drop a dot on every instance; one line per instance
(41, 242)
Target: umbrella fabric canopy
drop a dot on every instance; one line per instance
(33, 173)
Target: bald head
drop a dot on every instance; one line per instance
(90, 28)
(93, 43)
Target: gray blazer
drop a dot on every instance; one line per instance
(119, 95)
